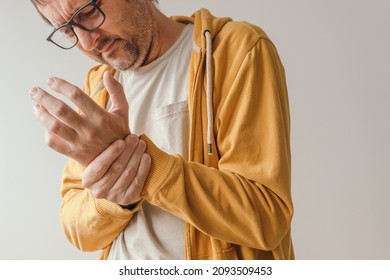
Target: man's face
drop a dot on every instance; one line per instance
(125, 38)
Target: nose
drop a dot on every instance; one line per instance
(87, 39)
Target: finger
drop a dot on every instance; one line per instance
(131, 144)
(133, 192)
(74, 94)
(103, 186)
(128, 175)
(99, 166)
(117, 95)
(55, 107)
(57, 143)
(53, 125)
(133, 164)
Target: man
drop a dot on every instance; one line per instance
(185, 153)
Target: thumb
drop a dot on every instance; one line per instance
(118, 99)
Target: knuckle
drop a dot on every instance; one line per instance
(104, 120)
(80, 148)
(99, 169)
(54, 127)
(74, 95)
(90, 133)
(129, 173)
(117, 167)
(138, 182)
(60, 110)
(91, 136)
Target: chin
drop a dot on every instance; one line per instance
(122, 64)
(120, 59)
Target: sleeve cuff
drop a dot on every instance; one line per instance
(162, 163)
(109, 209)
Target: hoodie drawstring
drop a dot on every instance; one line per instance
(209, 91)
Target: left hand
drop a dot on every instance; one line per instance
(118, 174)
(81, 136)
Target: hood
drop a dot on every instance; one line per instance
(203, 21)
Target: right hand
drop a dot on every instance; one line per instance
(81, 136)
(118, 174)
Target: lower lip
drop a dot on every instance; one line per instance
(110, 47)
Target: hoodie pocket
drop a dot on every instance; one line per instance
(171, 128)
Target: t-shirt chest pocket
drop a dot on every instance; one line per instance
(171, 126)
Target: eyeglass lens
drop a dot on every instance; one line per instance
(89, 18)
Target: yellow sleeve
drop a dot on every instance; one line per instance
(247, 199)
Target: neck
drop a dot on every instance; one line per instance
(166, 32)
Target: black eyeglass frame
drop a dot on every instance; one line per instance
(70, 23)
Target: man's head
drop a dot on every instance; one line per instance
(120, 33)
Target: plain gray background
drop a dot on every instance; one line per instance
(336, 55)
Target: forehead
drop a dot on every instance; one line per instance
(59, 11)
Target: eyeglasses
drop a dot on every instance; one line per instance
(89, 18)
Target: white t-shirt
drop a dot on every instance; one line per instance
(157, 97)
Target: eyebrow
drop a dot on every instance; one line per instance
(71, 15)
(77, 9)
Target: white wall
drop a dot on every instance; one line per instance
(336, 55)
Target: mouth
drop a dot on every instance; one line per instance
(107, 47)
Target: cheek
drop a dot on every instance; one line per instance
(113, 20)
(127, 19)
(110, 28)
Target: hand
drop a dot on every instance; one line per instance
(118, 174)
(81, 136)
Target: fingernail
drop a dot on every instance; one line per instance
(50, 82)
(142, 143)
(106, 74)
(33, 92)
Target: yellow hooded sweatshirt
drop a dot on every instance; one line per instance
(235, 200)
